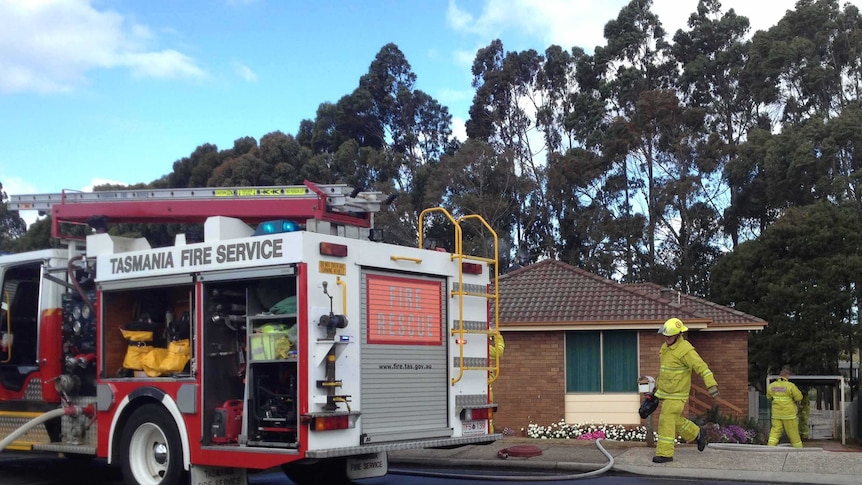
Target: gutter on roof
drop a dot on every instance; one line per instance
(732, 327)
(559, 326)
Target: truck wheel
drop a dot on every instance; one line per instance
(330, 472)
(150, 449)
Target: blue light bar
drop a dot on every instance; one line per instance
(276, 227)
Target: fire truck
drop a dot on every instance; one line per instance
(291, 336)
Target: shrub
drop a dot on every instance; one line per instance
(587, 431)
(719, 429)
(729, 429)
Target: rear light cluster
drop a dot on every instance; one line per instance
(475, 414)
(471, 268)
(332, 249)
(327, 423)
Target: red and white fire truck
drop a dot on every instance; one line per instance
(288, 337)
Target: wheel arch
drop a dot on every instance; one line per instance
(131, 403)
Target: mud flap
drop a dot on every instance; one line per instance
(213, 475)
(367, 466)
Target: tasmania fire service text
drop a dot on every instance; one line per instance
(198, 256)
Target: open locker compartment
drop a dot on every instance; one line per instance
(142, 323)
(250, 384)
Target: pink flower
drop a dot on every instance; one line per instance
(592, 436)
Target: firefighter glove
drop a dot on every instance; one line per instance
(713, 391)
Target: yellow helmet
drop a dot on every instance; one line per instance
(672, 327)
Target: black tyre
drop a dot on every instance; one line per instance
(150, 449)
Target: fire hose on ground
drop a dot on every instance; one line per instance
(55, 413)
(519, 451)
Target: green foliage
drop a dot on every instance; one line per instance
(801, 276)
(12, 227)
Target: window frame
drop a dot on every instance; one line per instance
(600, 364)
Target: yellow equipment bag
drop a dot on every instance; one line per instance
(140, 344)
(159, 362)
(179, 354)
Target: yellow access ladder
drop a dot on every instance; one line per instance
(493, 365)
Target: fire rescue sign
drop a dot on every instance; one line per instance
(404, 311)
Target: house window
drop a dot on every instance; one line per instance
(601, 362)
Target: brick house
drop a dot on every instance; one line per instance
(576, 344)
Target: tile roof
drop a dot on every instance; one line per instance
(552, 293)
(718, 314)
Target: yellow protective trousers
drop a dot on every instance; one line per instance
(789, 426)
(671, 424)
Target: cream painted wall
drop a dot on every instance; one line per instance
(603, 408)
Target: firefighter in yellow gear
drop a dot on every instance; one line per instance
(784, 396)
(678, 360)
(496, 346)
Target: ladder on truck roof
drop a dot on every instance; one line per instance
(335, 203)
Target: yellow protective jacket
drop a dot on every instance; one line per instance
(498, 345)
(677, 363)
(784, 396)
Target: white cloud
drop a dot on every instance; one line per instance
(245, 72)
(16, 185)
(49, 46)
(459, 128)
(581, 23)
(165, 64)
(459, 20)
(564, 22)
(447, 96)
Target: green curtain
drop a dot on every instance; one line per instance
(583, 354)
(620, 359)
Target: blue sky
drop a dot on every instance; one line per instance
(118, 90)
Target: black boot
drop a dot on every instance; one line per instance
(701, 439)
(661, 459)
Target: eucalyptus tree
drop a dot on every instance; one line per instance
(502, 115)
(192, 171)
(579, 188)
(478, 180)
(385, 135)
(713, 54)
(808, 64)
(284, 156)
(635, 62)
(245, 170)
(581, 195)
(807, 69)
(416, 130)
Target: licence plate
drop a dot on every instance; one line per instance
(216, 475)
(367, 466)
(469, 428)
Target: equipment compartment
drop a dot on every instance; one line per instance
(272, 375)
(137, 320)
(250, 345)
